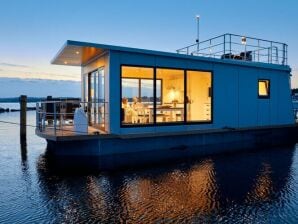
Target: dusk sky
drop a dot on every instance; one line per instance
(33, 31)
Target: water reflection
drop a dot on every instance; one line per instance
(222, 188)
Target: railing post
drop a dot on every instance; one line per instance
(210, 50)
(55, 118)
(245, 50)
(37, 116)
(258, 50)
(271, 52)
(43, 116)
(283, 54)
(224, 50)
(286, 54)
(230, 46)
(276, 55)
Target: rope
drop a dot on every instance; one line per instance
(34, 126)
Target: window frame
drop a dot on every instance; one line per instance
(269, 89)
(210, 92)
(184, 96)
(140, 85)
(155, 124)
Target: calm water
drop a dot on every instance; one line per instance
(250, 187)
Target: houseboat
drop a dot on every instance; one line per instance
(228, 93)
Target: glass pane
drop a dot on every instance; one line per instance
(264, 88)
(101, 86)
(85, 91)
(171, 103)
(130, 88)
(101, 99)
(158, 91)
(147, 91)
(94, 95)
(198, 97)
(137, 95)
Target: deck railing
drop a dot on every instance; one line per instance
(237, 47)
(58, 117)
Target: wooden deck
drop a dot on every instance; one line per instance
(68, 131)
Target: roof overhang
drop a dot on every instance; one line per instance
(76, 53)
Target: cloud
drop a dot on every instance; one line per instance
(13, 65)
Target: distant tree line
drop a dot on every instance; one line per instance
(29, 99)
(16, 99)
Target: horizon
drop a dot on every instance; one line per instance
(14, 87)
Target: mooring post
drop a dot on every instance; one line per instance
(23, 118)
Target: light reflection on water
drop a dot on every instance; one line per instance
(244, 187)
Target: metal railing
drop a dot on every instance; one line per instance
(237, 47)
(58, 117)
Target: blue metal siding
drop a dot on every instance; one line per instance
(235, 93)
(285, 108)
(225, 92)
(274, 89)
(114, 90)
(136, 59)
(248, 107)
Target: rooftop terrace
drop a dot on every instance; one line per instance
(237, 47)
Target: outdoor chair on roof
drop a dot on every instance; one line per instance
(247, 56)
(227, 56)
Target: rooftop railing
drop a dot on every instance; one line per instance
(237, 47)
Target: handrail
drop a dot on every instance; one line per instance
(55, 115)
(254, 38)
(242, 47)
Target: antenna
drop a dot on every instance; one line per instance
(198, 32)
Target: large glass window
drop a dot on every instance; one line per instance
(175, 96)
(137, 101)
(198, 97)
(171, 108)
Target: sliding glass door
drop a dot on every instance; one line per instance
(94, 97)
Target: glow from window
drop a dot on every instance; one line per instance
(264, 88)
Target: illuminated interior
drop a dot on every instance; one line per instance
(170, 99)
(137, 95)
(198, 96)
(264, 88)
(94, 97)
(172, 107)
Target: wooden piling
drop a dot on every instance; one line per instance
(23, 118)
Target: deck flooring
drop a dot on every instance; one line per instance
(69, 131)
